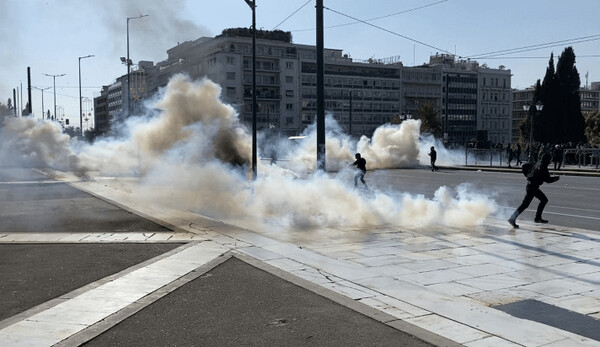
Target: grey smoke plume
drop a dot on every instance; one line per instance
(188, 156)
(27, 142)
(163, 27)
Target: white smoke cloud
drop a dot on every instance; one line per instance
(194, 155)
(27, 142)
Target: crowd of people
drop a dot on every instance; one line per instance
(561, 155)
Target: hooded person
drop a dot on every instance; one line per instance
(537, 175)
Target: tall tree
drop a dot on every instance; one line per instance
(560, 121)
(592, 128)
(571, 124)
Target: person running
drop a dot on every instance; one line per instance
(433, 156)
(518, 154)
(537, 175)
(557, 157)
(361, 164)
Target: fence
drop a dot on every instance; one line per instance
(495, 156)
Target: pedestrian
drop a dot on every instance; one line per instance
(557, 157)
(518, 154)
(433, 156)
(509, 154)
(361, 164)
(537, 174)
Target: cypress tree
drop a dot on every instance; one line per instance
(545, 123)
(561, 120)
(572, 124)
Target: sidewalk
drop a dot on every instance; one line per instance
(572, 170)
(444, 285)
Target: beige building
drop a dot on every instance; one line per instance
(360, 94)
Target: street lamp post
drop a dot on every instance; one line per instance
(42, 89)
(350, 113)
(129, 64)
(54, 84)
(252, 4)
(538, 106)
(80, 108)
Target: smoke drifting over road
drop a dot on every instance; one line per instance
(193, 154)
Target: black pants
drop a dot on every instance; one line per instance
(533, 190)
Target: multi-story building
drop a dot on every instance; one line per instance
(494, 104)
(521, 98)
(590, 100)
(361, 95)
(475, 101)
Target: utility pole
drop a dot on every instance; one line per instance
(54, 84)
(350, 114)
(42, 89)
(80, 108)
(320, 91)
(252, 4)
(129, 65)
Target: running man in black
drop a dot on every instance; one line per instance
(433, 155)
(361, 164)
(535, 178)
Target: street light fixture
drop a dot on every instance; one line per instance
(128, 63)
(538, 106)
(54, 83)
(80, 108)
(42, 89)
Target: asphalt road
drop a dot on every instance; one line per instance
(574, 201)
(32, 202)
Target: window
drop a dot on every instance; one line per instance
(289, 92)
(289, 107)
(289, 65)
(231, 76)
(289, 79)
(230, 91)
(230, 60)
(212, 61)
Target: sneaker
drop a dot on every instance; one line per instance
(539, 220)
(513, 223)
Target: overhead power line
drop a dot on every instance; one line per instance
(542, 57)
(293, 13)
(534, 47)
(387, 30)
(375, 18)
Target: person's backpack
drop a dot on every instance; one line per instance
(526, 168)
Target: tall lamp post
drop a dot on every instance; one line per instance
(80, 107)
(538, 106)
(252, 4)
(54, 84)
(42, 89)
(129, 64)
(350, 112)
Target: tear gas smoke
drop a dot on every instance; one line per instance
(27, 142)
(193, 155)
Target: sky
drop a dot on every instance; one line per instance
(49, 36)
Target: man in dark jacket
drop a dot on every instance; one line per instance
(361, 164)
(433, 156)
(535, 178)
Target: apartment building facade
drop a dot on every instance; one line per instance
(360, 95)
